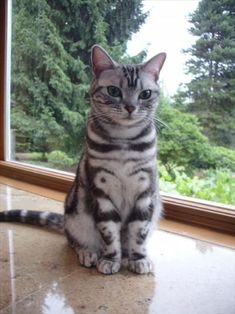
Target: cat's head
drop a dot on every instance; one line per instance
(124, 93)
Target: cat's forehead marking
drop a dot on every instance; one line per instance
(131, 73)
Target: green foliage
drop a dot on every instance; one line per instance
(201, 120)
(211, 92)
(20, 122)
(182, 143)
(223, 157)
(122, 16)
(189, 164)
(60, 158)
(216, 185)
(37, 157)
(51, 42)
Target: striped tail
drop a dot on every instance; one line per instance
(46, 219)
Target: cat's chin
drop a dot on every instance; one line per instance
(128, 121)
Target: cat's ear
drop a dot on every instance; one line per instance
(155, 64)
(101, 60)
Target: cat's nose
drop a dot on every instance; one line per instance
(129, 108)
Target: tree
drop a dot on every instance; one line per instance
(182, 143)
(50, 64)
(211, 92)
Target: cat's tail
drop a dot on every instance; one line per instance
(39, 218)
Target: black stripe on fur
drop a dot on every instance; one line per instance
(111, 215)
(141, 215)
(137, 256)
(106, 148)
(140, 147)
(103, 148)
(52, 220)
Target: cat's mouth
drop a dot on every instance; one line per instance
(131, 118)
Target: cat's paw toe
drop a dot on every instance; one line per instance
(108, 267)
(87, 258)
(141, 266)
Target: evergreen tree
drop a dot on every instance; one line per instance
(211, 92)
(51, 64)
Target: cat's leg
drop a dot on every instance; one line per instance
(110, 261)
(139, 229)
(80, 228)
(109, 225)
(138, 260)
(86, 257)
(84, 237)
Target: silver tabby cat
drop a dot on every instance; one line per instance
(114, 200)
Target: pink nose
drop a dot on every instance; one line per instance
(129, 108)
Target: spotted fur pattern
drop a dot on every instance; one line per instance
(114, 200)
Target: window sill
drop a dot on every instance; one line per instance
(200, 212)
(187, 210)
(51, 179)
(184, 229)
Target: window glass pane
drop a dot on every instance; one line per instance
(50, 77)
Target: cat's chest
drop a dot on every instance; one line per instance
(124, 182)
(115, 174)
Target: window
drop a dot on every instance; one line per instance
(49, 91)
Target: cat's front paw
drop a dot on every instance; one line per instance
(87, 258)
(108, 267)
(141, 266)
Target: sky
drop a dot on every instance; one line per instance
(166, 30)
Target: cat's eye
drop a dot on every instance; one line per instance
(114, 91)
(145, 94)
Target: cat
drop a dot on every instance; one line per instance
(114, 200)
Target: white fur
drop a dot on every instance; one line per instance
(142, 266)
(121, 188)
(143, 203)
(82, 227)
(105, 205)
(23, 214)
(43, 217)
(133, 229)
